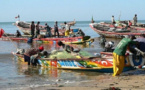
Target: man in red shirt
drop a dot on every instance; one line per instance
(129, 23)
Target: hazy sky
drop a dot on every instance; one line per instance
(68, 10)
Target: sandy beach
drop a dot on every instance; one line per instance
(105, 82)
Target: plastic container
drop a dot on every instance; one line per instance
(75, 30)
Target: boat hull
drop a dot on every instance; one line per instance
(97, 64)
(116, 34)
(66, 40)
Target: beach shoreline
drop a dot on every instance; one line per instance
(133, 82)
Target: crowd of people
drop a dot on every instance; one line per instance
(35, 30)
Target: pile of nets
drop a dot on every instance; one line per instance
(65, 55)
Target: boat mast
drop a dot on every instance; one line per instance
(92, 20)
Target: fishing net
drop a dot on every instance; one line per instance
(85, 53)
(65, 55)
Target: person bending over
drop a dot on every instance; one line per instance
(119, 54)
(68, 48)
(32, 51)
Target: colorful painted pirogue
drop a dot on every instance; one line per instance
(67, 40)
(105, 30)
(99, 64)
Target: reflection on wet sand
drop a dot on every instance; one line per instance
(24, 69)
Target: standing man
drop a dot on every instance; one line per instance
(48, 33)
(66, 29)
(56, 29)
(102, 40)
(32, 29)
(37, 29)
(135, 20)
(113, 20)
(119, 54)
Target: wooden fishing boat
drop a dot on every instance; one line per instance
(67, 40)
(138, 27)
(69, 23)
(113, 32)
(122, 24)
(99, 64)
(25, 28)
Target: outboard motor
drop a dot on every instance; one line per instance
(109, 46)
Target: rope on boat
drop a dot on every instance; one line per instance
(11, 40)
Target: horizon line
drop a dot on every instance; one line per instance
(67, 21)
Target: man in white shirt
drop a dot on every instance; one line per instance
(66, 29)
(113, 20)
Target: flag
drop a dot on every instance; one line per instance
(1, 32)
(17, 17)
